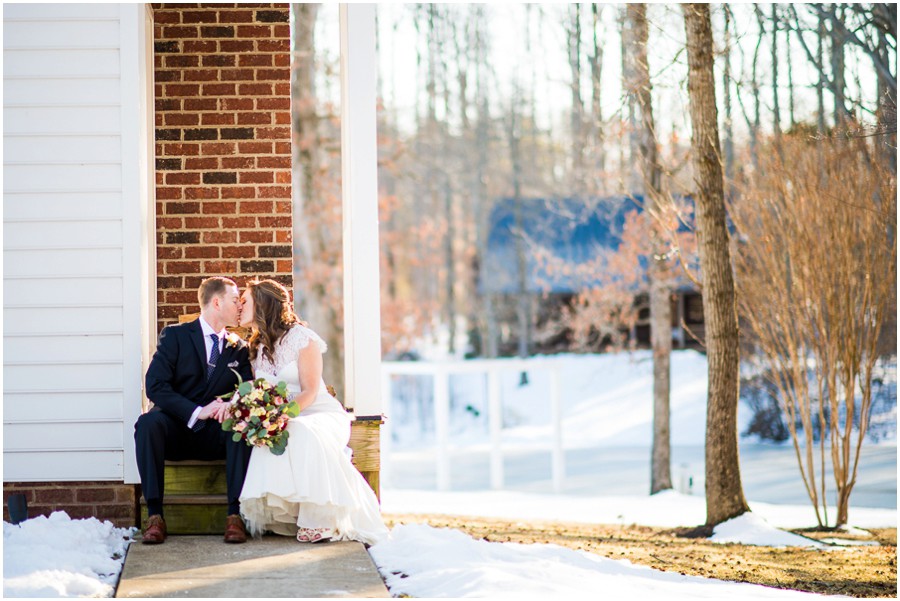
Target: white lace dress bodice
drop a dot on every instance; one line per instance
(313, 484)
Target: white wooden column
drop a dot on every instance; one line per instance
(362, 306)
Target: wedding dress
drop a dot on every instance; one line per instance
(313, 484)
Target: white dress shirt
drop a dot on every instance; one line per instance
(207, 341)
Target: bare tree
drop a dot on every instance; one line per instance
(660, 285)
(316, 224)
(724, 493)
(816, 270)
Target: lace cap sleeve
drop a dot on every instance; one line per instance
(301, 336)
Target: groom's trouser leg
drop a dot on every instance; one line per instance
(153, 433)
(237, 458)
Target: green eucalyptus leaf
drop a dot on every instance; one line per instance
(228, 424)
(236, 437)
(244, 388)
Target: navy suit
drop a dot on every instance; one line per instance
(177, 384)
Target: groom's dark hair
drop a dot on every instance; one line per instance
(210, 287)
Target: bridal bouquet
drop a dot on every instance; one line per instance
(259, 414)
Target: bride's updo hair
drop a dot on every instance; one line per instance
(273, 316)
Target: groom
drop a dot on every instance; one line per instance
(191, 367)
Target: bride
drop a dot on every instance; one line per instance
(312, 490)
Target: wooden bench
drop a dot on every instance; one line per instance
(196, 502)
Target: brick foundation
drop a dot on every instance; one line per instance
(111, 501)
(223, 148)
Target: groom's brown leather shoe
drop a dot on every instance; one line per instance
(234, 530)
(156, 531)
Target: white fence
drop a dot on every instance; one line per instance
(440, 372)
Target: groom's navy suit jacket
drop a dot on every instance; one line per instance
(176, 379)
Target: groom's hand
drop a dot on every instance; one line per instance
(216, 409)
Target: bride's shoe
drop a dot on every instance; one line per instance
(314, 535)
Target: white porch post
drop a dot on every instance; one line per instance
(362, 306)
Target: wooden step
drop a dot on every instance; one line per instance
(195, 477)
(193, 514)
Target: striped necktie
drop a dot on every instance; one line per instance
(213, 355)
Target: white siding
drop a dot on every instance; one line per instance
(76, 215)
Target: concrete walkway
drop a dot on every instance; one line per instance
(274, 566)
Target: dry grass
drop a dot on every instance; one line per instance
(858, 571)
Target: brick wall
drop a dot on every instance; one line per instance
(111, 501)
(223, 147)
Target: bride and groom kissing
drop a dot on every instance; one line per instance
(312, 491)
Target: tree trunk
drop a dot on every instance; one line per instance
(729, 122)
(596, 90)
(660, 307)
(314, 235)
(838, 84)
(724, 493)
(577, 114)
(629, 85)
(776, 107)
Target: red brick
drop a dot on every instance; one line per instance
(219, 208)
(169, 193)
(255, 148)
(183, 267)
(282, 177)
(283, 148)
(256, 236)
(200, 16)
(196, 223)
(163, 223)
(269, 104)
(202, 163)
(284, 266)
(238, 252)
(236, 16)
(282, 118)
(167, 76)
(281, 31)
(237, 104)
(254, 118)
(201, 104)
(273, 133)
(165, 253)
(217, 119)
(201, 252)
(182, 208)
(252, 207)
(255, 89)
(274, 162)
(239, 192)
(255, 60)
(283, 236)
(180, 61)
(182, 150)
(274, 192)
(204, 192)
(219, 60)
(256, 177)
(273, 74)
(178, 89)
(254, 31)
(284, 207)
(219, 266)
(236, 75)
(160, 175)
(166, 17)
(282, 60)
(54, 495)
(236, 45)
(180, 178)
(274, 45)
(201, 75)
(199, 46)
(219, 238)
(218, 148)
(179, 32)
(275, 222)
(238, 222)
(219, 89)
(238, 162)
(95, 495)
(283, 89)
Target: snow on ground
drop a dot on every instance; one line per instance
(61, 557)
(422, 561)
